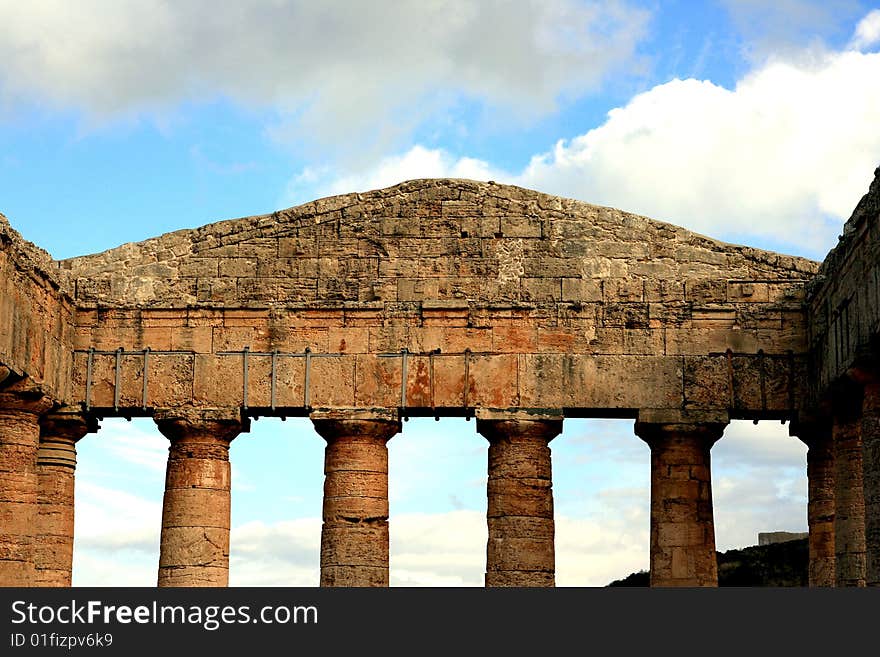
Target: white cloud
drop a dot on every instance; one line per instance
(759, 483)
(133, 443)
(324, 64)
(784, 156)
(449, 549)
(589, 553)
(438, 549)
(284, 553)
(789, 147)
(766, 444)
(867, 33)
(417, 162)
(116, 539)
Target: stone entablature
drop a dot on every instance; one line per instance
(528, 300)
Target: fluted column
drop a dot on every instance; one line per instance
(870, 428)
(520, 550)
(56, 468)
(849, 501)
(354, 535)
(817, 435)
(20, 408)
(194, 548)
(682, 523)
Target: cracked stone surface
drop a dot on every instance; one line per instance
(194, 546)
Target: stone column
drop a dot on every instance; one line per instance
(194, 547)
(56, 467)
(354, 535)
(520, 550)
(820, 506)
(871, 480)
(682, 524)
(20, 408)
(849, 501)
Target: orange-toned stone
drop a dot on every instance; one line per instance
(682, 524)
(194, 548)
(354, 536)
(520, 549)
(20, 409)
(56, 467)
(849, 502)
(820, 505)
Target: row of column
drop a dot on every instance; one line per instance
(354, 536)
(843, 468)
(37, 463)
(38, 458)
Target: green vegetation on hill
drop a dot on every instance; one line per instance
(779, 564)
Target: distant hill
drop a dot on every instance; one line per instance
(777, 564)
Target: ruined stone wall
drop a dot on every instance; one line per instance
(36, 315)
(844, 299)
(533, 301)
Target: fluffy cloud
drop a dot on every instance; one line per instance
(867, 34)
(284, 553)
(116, 540)
(417, 162)
(783, 157)
(324, 64)
(759, 483)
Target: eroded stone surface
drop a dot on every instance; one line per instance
(20, 409)
(849, 503)
(37, 315)
(682, 520)
(56, 467)
(524, 300)
(817, 434)
(520, 550)
(354, 535)
(196, 508)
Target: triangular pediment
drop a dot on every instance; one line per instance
(429, 239)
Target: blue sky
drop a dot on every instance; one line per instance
(752, 122)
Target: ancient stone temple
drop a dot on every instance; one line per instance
(440, 298)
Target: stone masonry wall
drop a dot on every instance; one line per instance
(36, 315)
(532, 301)
(844, 299)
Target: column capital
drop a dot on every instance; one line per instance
(374, 425)
(67, 422)
(652, 432)
(220, 423)
(24, 396)
(494, 426)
